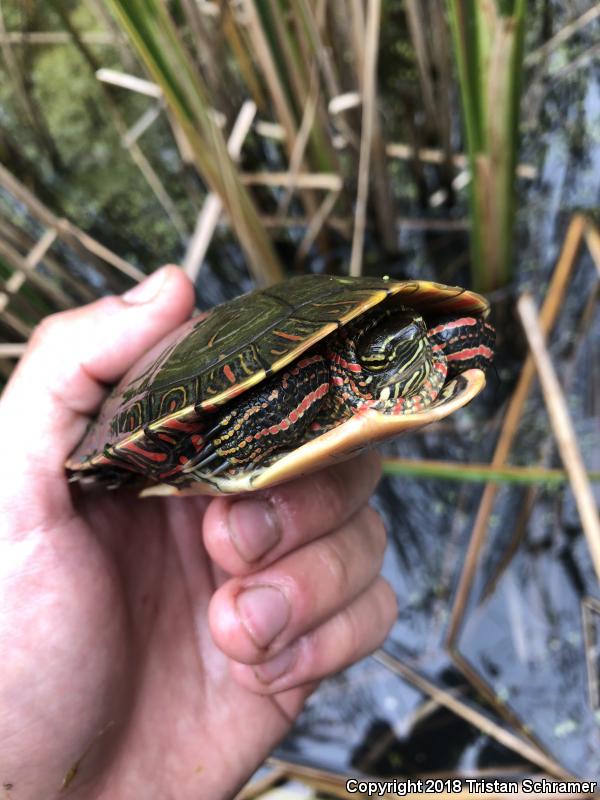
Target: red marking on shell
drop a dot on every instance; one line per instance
(228, 372)
(178, 425)
(133, 448)
(197, 441)
(293, 417)
(338, 381)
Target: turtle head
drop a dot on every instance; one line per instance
(394, 353)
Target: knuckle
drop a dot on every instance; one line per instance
(330, 493)
(335, 564)
(388, 603)
(45, 330)
(351, 633)
(377, 531)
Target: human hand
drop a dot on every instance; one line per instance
(161, 647)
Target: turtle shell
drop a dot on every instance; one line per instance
(216, 356)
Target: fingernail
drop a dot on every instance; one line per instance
(254, 528)
(264, 612)
(148, 289)
(276, 667)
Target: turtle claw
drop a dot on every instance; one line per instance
(199, 475)
(200, 461)
(224, 466)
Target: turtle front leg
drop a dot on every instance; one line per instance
(274, 416)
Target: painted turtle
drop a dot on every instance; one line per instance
(284, 380)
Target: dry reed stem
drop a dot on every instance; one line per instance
(510, 425)
(39, 251)
(294, 66)
(357, 28)
(316, 224)
(262, 53)
(381, 185)
(477, 718)
(143, 123)
(47, 287)
(11, 321)
(206, 47)
(40, 248)
(588, 56)
(130, 82)
(300, 142)
(322, 53)
(344, 224)
(154, 182)
(591, 630)
(304, 180)
(562, 425)
(75, 236)
(414, 11)
(366, 140)
(12, 350)
(255, 788)
(208, 217)
(592, 239)
(270, 130)
(563, 35)
(315, 23)
(434, 155)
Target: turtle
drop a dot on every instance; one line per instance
(283, 380)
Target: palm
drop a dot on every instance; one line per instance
(137, 573)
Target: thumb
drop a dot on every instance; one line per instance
(72, 356)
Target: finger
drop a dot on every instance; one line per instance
(73, 355)
(243, 534)
(254, 617)
(345, 638)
